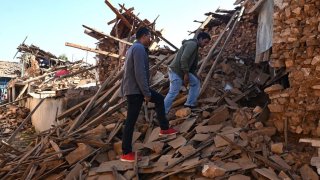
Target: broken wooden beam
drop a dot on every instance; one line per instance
(124, 19)
(152, 30)
(93, 50)
(108, 36)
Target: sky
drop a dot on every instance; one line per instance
(50, 23)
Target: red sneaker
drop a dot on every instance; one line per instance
(169, 131)
(130, 157)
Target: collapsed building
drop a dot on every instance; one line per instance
(8, 71)
(258, 100)
(43, 75)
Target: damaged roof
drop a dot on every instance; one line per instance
(9, 69)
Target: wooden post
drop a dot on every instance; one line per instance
(13, 92)
(22, 92)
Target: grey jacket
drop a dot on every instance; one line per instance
(136, 72)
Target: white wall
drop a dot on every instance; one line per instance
(44, 117)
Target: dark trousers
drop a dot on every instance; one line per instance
(134, 106)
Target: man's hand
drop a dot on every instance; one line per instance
(186, 79)
(147, 99)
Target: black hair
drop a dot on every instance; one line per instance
(203, 35)
(142, 31)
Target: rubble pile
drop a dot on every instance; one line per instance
(296, 47)
(9, 69)
(44, 72)
(79, 75)
(226, 137)
(10, 118)
(243, 42)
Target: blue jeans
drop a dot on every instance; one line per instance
(175, 87)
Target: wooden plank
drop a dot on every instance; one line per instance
(180, 141)
(154, 135)
(75, 172)
(93, 50)
(155, 146)
(267, 173)
(185, 150)
(203, 145)
(231, 166)
(277, 159)
(56, 148)
(208, 129)
(186, 125)
(114, 132)
(220, 142)
(107, 35)
(121, 166)
(200, 137)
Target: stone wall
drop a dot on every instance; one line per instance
(296, 47)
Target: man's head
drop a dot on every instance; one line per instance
(143, 35)
(203, 39)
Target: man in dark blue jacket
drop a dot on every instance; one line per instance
(136, 87)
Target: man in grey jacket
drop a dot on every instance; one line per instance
(136, 87)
